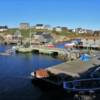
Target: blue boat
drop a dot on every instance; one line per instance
(82, 85)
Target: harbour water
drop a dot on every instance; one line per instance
(16, 81)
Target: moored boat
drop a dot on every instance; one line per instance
(69, 45)
(84, 85)
(48, 79)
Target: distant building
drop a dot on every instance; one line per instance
(24, 26)
(79, 30)
(8, 37)
(3, 28)
(64, 29)
(39, 26)
(48, 27)
(90, 31)
(70, 30)
(97, 33)
(58, 29)
(43, 37)
(17, 35)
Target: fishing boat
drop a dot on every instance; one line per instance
(48, 79)
(82, 85)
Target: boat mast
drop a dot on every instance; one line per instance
(30, 37)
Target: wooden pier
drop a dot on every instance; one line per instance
(74, 68)
(65, 54)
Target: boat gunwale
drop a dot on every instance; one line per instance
(74, 88)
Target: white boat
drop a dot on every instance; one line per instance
(71, 44)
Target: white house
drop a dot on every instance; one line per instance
(24, 26)
(48, 27)
(3, 28)
(80, 30)
(39, 26)
(58, 29)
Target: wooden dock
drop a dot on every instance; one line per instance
(23, 49)
(68, 55)
(74, 68)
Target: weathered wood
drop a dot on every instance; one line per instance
(75, 67)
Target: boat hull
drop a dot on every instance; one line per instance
(83, 85)
(48, 80)
(44, 84)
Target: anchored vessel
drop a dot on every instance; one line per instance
(46, 78)
(80, 89)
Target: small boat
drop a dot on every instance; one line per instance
(82, 85)
(44, 77)
(69, 45)
(4, 54)
(48, 79)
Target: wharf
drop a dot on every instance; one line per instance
(24, 50)
(74, 68)
(58, 52)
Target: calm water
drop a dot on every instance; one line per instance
(15, 79)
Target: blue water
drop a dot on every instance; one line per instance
(15, 78)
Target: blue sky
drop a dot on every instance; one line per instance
(70, 13)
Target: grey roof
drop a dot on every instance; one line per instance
(3, 27)
(39, 24)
